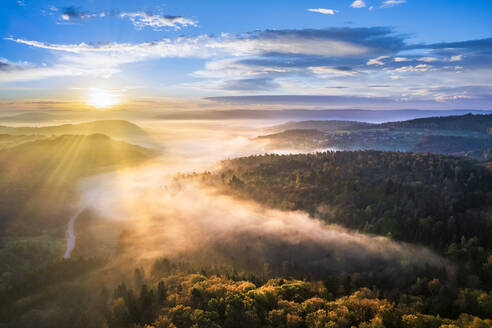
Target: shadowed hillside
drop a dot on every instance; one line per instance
(67, 156)
(37, 191)
(42, 172)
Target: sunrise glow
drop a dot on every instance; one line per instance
(101, 98)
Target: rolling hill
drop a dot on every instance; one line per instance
(324, 126)
(465, 135)
(376, 116)
(40, 174)
(112, 128)
(30, 117)
(468, 122)
(68, 156)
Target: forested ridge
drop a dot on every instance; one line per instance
(423, 198)
(464, 135)
(443, 202)
(469, 122)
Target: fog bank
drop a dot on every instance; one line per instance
(183, 219)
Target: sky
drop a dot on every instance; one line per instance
(374, 54)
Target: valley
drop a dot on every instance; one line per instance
(387, 226)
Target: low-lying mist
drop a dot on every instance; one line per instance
(183, 219)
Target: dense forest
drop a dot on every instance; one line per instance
(440, 201)
(404, 195)
(479, 148)
(174, 294)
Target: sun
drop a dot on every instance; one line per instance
(101, 98)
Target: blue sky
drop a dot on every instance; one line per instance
(371, 53)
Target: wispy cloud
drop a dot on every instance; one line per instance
(328, 70)
(157, 22)
(25, 71)
(377, 61)
(470, 44)
(416, 68)
(391, 3)
(401, 59)
(334, 42)
(324, 11)
(72, 14)
(358, 4)
(140, 19)
(456, 58)
(254, 84)
(428, 59)
(7, 66)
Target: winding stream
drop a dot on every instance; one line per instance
(70, 233)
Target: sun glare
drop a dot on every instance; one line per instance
(101, 98)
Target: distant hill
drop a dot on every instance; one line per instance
(303, 139)
(468, 122)
(7, 140)
(67, 156)
(113, 128)
(295, 133)
(466, 135)
(31, 117)
(321, 125)
(479, 148)
(375, 116)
